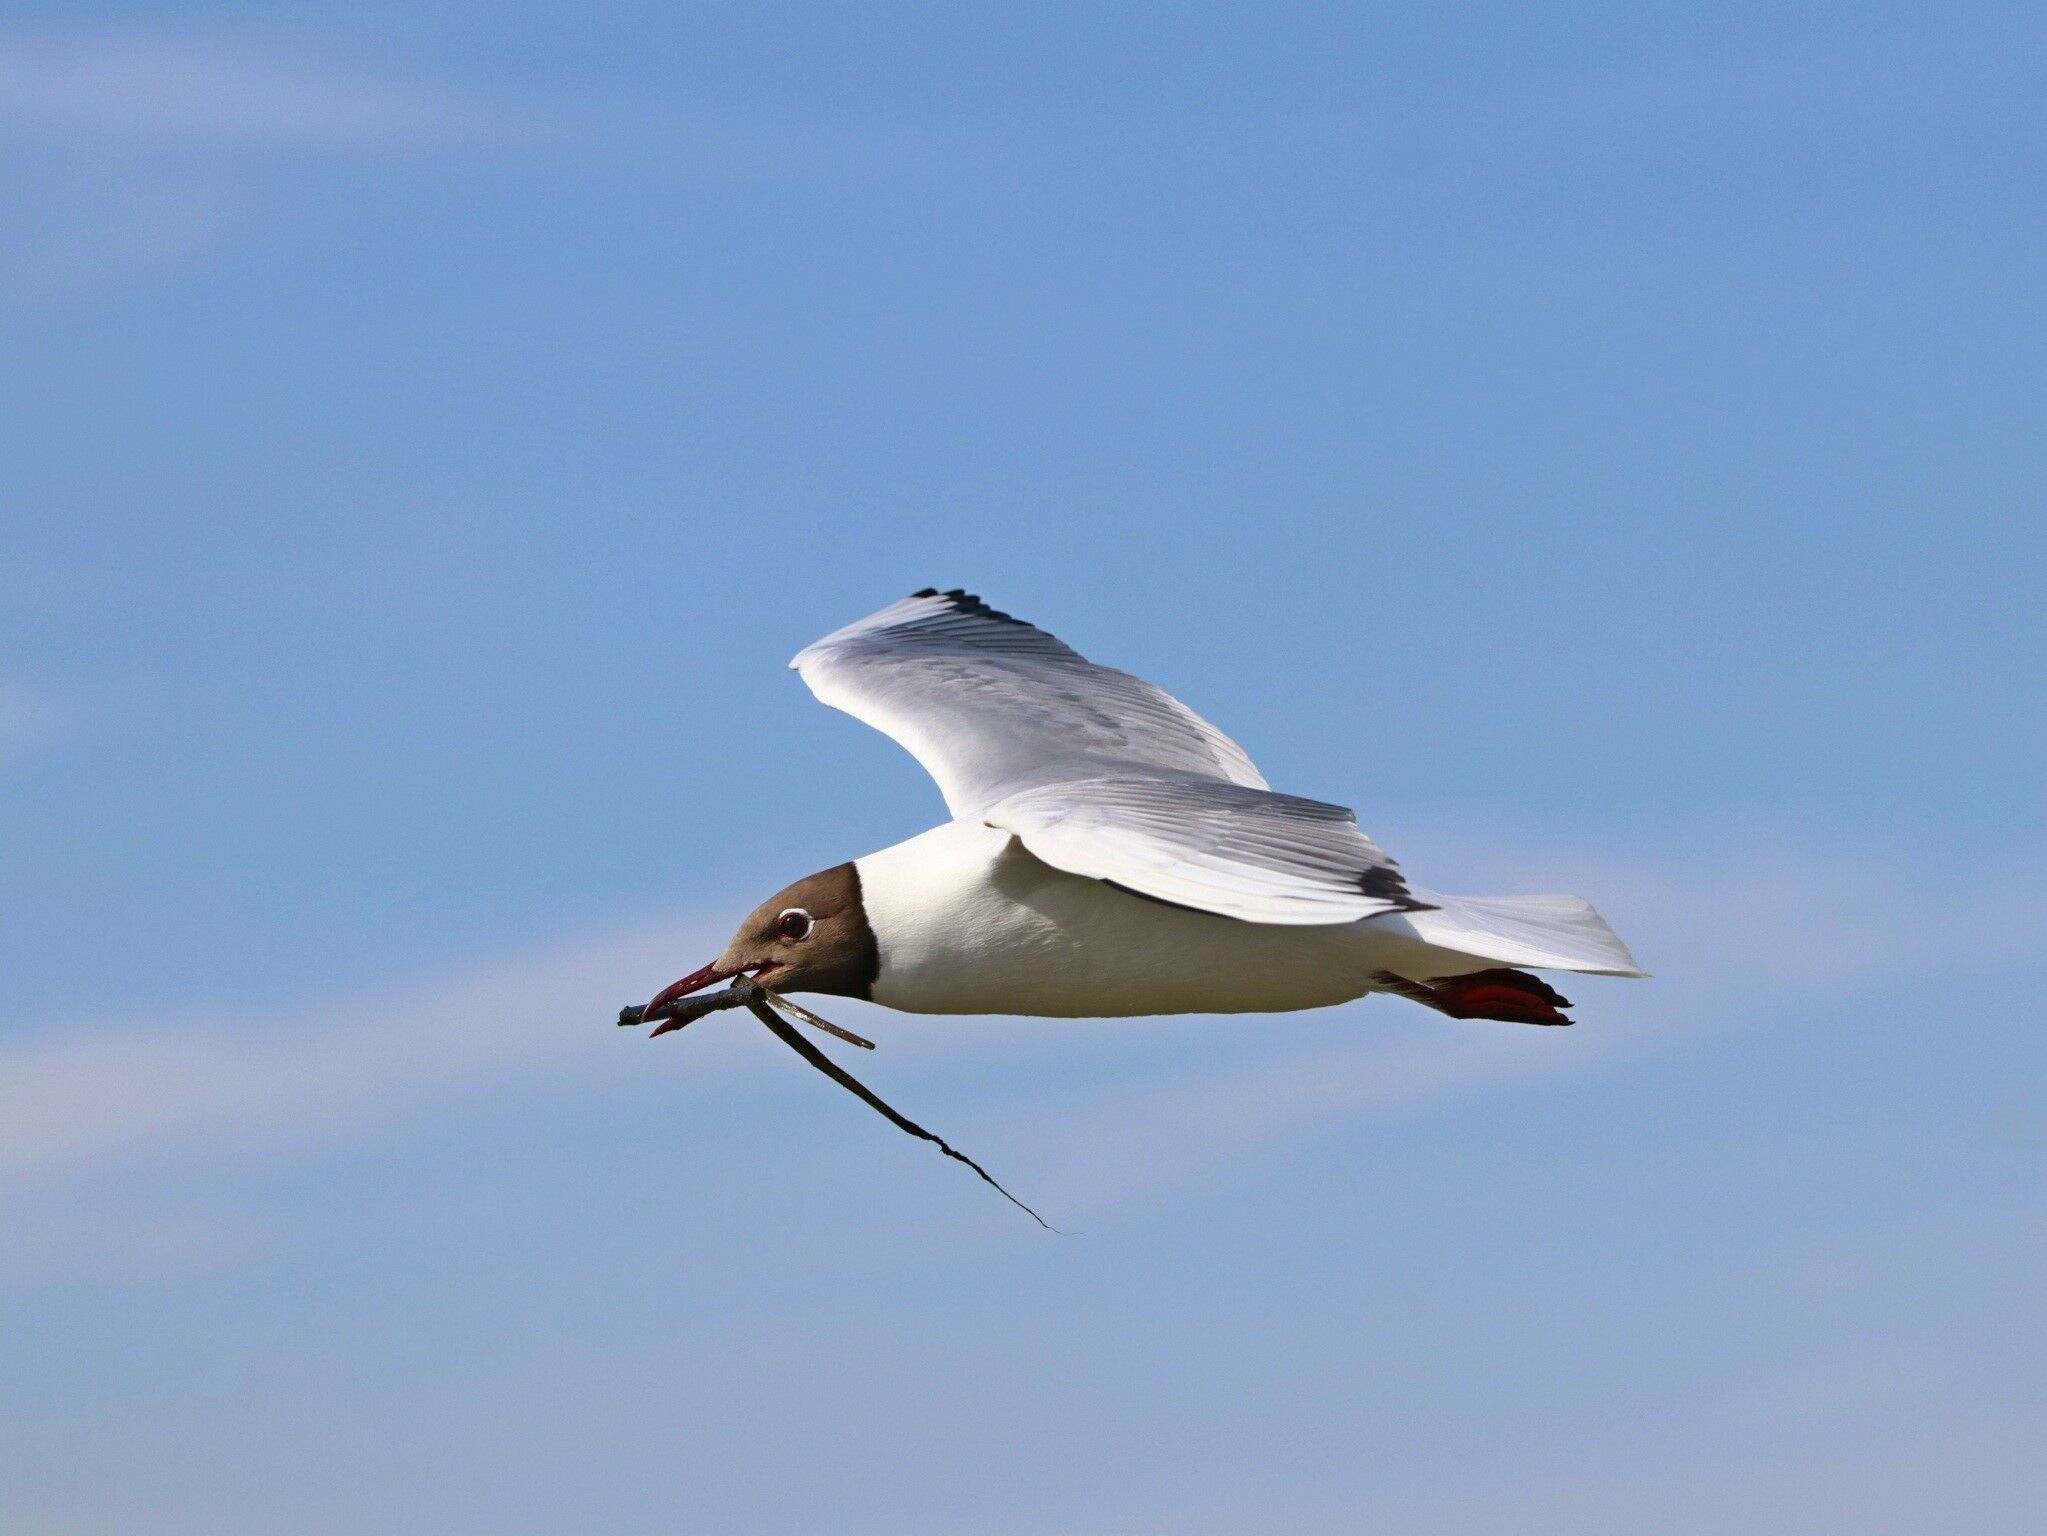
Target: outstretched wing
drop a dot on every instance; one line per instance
(1216, 847)
(991, 705)
(1097, 772)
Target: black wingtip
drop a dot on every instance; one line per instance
(962, 601)
(1383, 882)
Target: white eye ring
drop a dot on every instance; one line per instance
(794, 924)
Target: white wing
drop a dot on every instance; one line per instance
(1098, 772)
(1227, 848)
(990, 705)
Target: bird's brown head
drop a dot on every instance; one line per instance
(808, 937)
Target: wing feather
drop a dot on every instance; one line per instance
(1226, 848)
(991, 705)
(1097, 772)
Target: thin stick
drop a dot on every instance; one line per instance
(812, 1019)
(782, 1030)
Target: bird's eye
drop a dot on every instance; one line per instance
(794, 924)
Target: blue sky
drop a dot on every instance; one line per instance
(1600, 443)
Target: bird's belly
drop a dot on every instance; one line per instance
(1024, 938)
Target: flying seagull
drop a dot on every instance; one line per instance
(1111, 853)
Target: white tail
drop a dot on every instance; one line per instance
(1556, 933)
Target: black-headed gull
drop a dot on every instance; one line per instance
(1111, 853)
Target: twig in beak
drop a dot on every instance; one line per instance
(686, 1011)
(782, 1030)
(744, 989)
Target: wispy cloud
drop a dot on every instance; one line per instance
(137, 157)
(168, 89)
(71, 1099)
(1110, 1152)
(28, 718)
(50, 1238)
(1776, 929)
(1975, 1473)
(1733, 939)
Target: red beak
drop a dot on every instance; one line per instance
(695, 981)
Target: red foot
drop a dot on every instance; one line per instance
(1514, 996)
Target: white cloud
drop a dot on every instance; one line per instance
(1734, 940)
(78, 1096)
(27, 719)
(1776, 931)
(167, 89)
(1973, 1476)
(136, 157)
(54, 1239)
(41, 718)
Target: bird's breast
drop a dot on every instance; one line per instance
(968, 921)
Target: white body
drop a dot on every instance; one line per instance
(967, 920)
(1113, 853)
